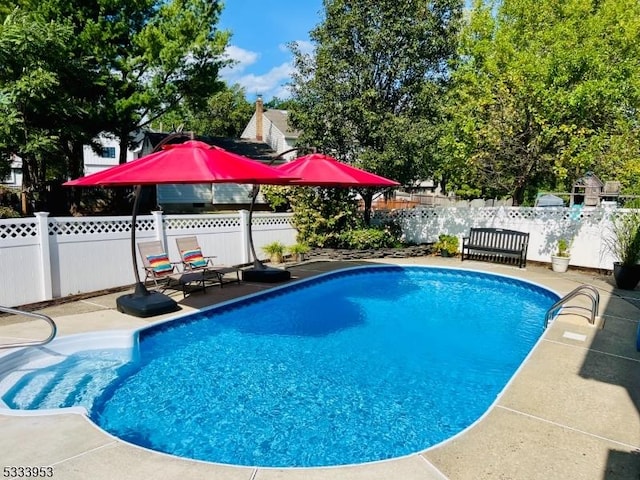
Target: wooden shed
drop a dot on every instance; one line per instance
(587, 190)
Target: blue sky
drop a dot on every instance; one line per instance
(260, 32)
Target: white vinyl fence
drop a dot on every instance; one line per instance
(587, 229)
(49, 257)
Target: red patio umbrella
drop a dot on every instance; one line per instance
(189, 162)
(317, 170)
(320, 170)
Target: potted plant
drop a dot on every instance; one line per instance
(560, 261)
(447, 245)
(624, 243)
(298, 251)
(275, 250)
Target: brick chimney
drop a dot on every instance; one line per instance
(259, 113)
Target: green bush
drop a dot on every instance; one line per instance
(298, 249)
(624, 239)
(321, 214)
(274, 248)
(447, 243)
(8, 212)
(366, 238)
(277, 197)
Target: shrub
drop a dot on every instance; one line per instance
(447, 243)
(274, 248)
(277, 197)
(298, 249)
(563, 248)
(366, 238)
(8, 212)
(321, 214)
(624, 238)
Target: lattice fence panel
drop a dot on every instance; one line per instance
(204, 223)
(63, 227)
(258, 221)
(20, 229)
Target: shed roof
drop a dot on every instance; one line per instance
(589, 180)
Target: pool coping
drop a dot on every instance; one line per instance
(480, 451)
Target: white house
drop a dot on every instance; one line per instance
(14, 178)
(107, 157)
(93, 161)
(272, 127)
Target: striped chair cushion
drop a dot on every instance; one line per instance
(160, 263)
(194, 258)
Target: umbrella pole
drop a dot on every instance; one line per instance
(140, 289)
(142, 303)
(259, 272)
(257, 264)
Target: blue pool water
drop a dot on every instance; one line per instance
(356, 366)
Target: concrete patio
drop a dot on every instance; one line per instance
(571, 412)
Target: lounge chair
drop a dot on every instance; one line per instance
(164, 273)
(193, 260)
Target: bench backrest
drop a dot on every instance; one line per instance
(498, 238)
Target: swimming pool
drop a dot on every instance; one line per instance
(359, 365)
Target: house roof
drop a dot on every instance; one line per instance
(246, 147)
(280, 119)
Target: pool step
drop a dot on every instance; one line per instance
(66, 384)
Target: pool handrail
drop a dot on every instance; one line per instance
(35, 343)
(593, 295)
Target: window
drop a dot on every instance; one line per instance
(10, 178)
(108, 152)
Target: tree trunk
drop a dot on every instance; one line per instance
(368, 201)
(124, 147)
(443, 185)
(518, 195)
(75, 155)
(120, 194)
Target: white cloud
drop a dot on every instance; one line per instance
(268, 85)
(271, 84)
(242, 58)
(306, 47)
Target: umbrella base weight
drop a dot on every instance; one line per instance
(266, 275)
(148, 305)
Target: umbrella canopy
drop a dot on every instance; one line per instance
(323, 171)
(189, 162)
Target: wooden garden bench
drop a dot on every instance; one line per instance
(496, 245)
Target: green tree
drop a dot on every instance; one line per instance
(225, 114)
(39, 109)
(277, 103)
(138, 60)
(370, 92)
(544, 91)
(158, 53)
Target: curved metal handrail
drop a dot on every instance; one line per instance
(41, 316)
(594, 296)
